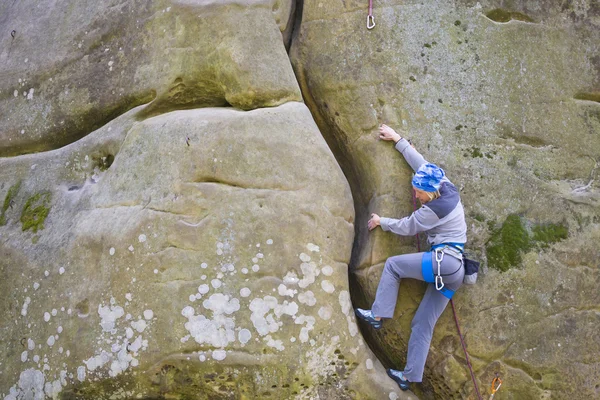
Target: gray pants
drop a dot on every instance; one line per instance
(430, 309)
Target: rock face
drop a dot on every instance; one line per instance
(174, 225)
(506, 100)
(179, 250)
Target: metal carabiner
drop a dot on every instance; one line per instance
(439, 282)
(496, 383)
(370, 22)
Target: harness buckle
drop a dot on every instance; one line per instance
(370, 22)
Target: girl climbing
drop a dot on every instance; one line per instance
(442, 218)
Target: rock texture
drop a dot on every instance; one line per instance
(180, 250)
(504, 96)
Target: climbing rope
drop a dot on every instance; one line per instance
(462, 342)
(370, 17)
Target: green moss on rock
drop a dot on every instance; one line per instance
(507, 244)
(10, 195)
(588, 96)
(549, 233)
(35, 211)
(500, 15)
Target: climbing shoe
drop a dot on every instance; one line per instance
(367, 316)
(399, 378)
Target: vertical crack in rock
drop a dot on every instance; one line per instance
(361, 191)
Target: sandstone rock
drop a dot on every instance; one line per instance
(209, 260)
(499, 105)
(73, 66)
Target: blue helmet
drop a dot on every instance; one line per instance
(428, 177)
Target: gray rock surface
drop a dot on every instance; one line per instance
(505, 97)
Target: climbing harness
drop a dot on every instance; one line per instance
(462, 342)
(428, 267)
(370, 17)
(496, 383)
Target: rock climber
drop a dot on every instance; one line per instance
(442, 218)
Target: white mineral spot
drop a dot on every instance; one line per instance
(112, 253)
(203, 289)
(219, 355)
(219, 252)
(16, 93)
(128, 296)
(36, 359)
(313, 247)
(142, 238)
(54, 312)
(325, 313)
(139, 325)
(22, 131)
(216, 283)
(202, 357)
(290, 278)
(244, 336)
(255, 268)
(36, 286)
(307, 298)
(254, 260)
(277, 344)
(245, 292)
(204, 265)
(260, 255)
(192, 298)
(60, 350)
(344, 299)
(304, 257)
(309, 270)
(244, 271)
(51, 340)
(269, 241)
(230, 267)
(187, 311)
(25, 306)
(81, 373)
(30, 344)
(369, 363)
(109, 316)
(59, 329)
(46, 273)
(327, 270)
(284, 291)
(393, 396)
(24, 356)
(61, 270)
(30, 94)
(130, 248)
(155, 271)
(148, 314)
(46, 316)
(292, 339)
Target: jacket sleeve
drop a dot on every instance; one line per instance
(421, 220)
(412, 156)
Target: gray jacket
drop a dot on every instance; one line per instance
(442, 219)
